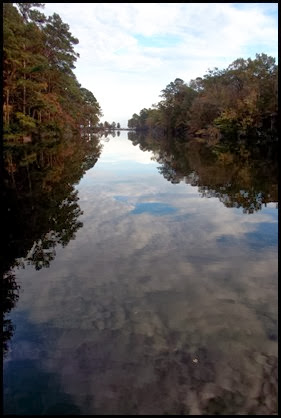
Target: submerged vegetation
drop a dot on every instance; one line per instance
(41, 92)
(237, 101)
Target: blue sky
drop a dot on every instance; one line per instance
(129, 52)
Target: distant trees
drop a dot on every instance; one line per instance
(108, 126)
(235, 100)
(39, 87)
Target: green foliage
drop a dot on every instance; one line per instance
(171, 113)
(235, 101)
(25, 122)
(40, 88)
(227, 122)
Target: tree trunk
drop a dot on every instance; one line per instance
(24, 86)
(24, 89)
(29, 180)
(7, 110)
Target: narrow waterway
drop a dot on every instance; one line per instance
(165, 302)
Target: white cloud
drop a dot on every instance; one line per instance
(124, 150)
(127, 73)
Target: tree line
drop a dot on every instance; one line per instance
(234, 101)
(108, 126)
(40, 90)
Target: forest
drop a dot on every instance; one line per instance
(41, 92)
(237, 101)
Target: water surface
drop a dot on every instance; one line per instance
(162, 301)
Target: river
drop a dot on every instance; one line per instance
(162, 301)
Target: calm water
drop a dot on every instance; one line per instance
(163, 302)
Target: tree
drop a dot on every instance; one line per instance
(28, 14)
(134, 121)
(40, 89)
(234, 101)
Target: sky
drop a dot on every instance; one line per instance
(129, 52)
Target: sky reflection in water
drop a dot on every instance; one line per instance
(165, 303)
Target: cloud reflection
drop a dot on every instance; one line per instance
(135, 299)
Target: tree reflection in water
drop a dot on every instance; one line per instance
(241, 174)
(41, 207)
(128, 338)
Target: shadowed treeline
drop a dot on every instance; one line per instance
(239, 174)
(40, 204)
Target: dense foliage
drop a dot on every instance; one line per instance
(40, 90)
(235, 101)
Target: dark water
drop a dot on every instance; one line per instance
(148, 282)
